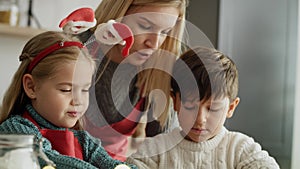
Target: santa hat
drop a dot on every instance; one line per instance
(124, 32)
(80, 18)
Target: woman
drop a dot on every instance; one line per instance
(143, 76)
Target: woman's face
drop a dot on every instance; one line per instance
(150, 26)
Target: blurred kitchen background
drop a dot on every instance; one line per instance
(260, 35)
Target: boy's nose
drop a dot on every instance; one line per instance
(201, 116)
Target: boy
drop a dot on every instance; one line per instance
(205, 88)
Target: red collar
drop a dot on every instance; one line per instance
(62, 141)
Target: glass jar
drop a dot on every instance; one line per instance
(20, 152)
(9, 12)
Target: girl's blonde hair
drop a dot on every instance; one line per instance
(151, 79)
(15, 98)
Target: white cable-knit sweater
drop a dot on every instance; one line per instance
(227, 150)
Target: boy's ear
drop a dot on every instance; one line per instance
(29, 86)
(232, 107)
(176, 101)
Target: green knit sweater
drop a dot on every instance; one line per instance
(93, 153)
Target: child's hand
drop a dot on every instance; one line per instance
(122, 166)
(48, 167)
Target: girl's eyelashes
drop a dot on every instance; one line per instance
(66, 90)
(86, 90)
(70, 90)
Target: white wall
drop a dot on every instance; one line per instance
(296, 136)
(260, 35)
(10, 48)
(49, 14)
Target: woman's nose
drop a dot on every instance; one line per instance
(153, 41)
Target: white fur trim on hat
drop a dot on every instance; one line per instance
(112, 29)
(83, 23)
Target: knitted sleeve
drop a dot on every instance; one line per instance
(143, 162)
(95, 154)
(252, 156)
(19, 125)
(98, 157)
(148, 155)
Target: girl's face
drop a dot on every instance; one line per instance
(63, 98)
(150, 26)
(202, 120)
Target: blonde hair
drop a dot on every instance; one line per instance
(151, 79)
(15, 99)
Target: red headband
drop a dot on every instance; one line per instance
(51, 49)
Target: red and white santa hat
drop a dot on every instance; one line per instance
(125, 33)
(82, 17)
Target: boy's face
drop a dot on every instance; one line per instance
(202, 120)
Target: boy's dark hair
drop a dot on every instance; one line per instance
(207, 71)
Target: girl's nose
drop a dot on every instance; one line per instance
(77, 98)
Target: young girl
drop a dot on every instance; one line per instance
(47, 98)
(117, 106)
